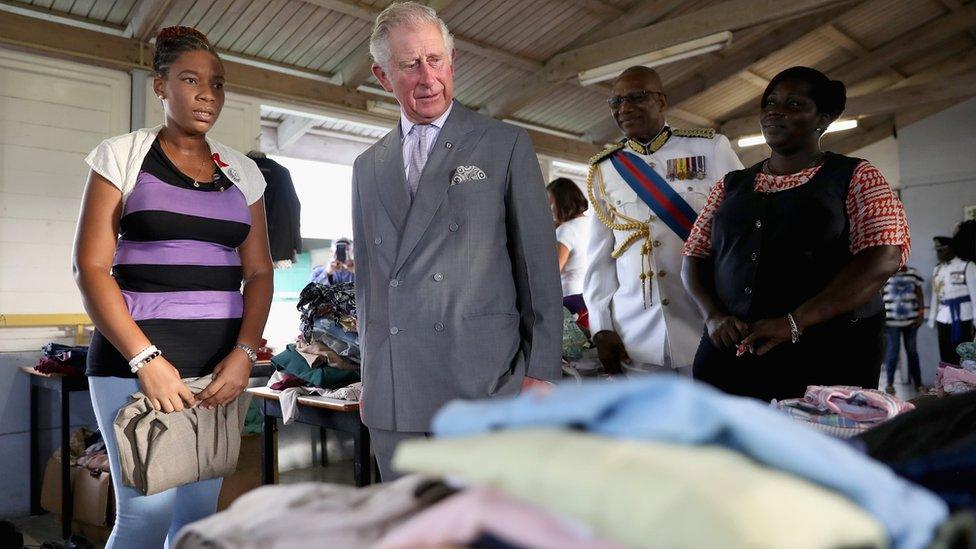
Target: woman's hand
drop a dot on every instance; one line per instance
(726, 331)
(160, 382)
(229, 381)
(768, 333)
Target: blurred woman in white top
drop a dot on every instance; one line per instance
(572, 233)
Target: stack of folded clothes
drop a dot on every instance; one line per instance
(653, 462)
(328, 321)
(62, 359)
(842, 411)
(934, 446)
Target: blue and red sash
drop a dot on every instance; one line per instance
(663, 200)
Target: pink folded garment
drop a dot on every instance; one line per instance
(951, 380)
(461, 518)
(861, 405)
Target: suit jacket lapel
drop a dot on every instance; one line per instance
(392, 185)
(436, 177)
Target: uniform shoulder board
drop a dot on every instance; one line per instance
(602, 155)
(705, 133)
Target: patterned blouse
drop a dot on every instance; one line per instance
(877, 216)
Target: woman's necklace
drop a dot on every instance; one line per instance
(817, 159)
(196, 178)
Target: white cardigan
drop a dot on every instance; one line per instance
(119, 160)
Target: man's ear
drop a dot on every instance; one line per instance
(380, 75)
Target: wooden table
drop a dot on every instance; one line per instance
(62, 385)
(322, 412)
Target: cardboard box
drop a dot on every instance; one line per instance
(248, 474)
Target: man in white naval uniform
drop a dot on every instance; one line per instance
(640, 315)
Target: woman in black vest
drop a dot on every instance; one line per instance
(788, 258)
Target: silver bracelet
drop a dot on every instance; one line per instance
(252, 355)
(794, 330)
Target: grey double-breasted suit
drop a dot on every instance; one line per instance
(458, 293)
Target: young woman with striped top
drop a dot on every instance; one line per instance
(172, 227)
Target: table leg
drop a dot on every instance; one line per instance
(324, 456)
(268, 450)
(361, 462)
(67, 498)
(35, 453)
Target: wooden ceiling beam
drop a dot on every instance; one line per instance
(89, 46)
(730, 15)
(366, 12)
(538, 85)
(734, 62)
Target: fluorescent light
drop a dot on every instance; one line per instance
(692, 48)
(543, 129)
(752, 141)
(839, 126)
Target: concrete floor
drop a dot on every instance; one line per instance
(41, 528)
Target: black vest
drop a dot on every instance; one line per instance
(774, 251)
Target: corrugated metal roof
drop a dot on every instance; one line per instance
(307, 36)
(881, 21)
(114, 12)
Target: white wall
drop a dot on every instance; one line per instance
(884, 156)
(52, 113)
(938, 178)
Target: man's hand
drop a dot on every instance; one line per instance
(229, 381)
(767, 334)
(610, 349)
(160, 382)
(726, 331)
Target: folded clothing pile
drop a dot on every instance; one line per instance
(934, 446)
(842, 411)
(62, 359)
(652, 462)
(952, 380)
(671, 410)
(315, 369)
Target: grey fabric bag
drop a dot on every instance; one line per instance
(159, 451)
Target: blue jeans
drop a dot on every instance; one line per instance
(893, 338)
(144, 521)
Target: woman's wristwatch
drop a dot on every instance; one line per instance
(794, 330)
(252, 355)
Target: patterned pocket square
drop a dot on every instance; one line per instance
(463, 174)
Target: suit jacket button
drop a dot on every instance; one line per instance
(394, 283)
(439, 327)
(377, 241)
(665, 302)
(438, 276)
(394, 330)
(453, 227)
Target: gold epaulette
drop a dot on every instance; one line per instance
(605, 153)
(705, 133)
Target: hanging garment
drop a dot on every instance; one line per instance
(282, 208)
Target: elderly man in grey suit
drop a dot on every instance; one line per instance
(457, 286)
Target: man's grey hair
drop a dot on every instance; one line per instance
(403, 13)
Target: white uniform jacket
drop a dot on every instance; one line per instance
(656, 319)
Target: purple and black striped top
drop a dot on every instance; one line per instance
(178, 268)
